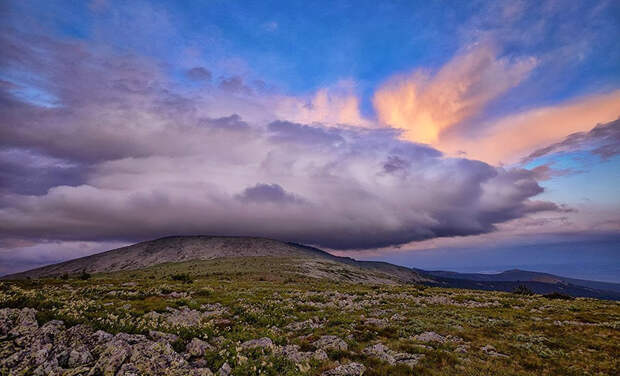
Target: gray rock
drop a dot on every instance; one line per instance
(490, 351)
(392, 357)
(111, 359)
(225, 370)
(197, 347)
(161, 336)
(264, 343)
(331, 343)
(351, 369)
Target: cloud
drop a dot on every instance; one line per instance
(602, 140)
(424, 104)
(153, 160)
(337, 105)
(199, 74)
(511, 138)
(273, 193)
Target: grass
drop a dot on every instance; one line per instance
(261, 296)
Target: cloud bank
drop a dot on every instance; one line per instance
(128, 156)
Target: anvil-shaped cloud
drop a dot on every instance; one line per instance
(146, 160)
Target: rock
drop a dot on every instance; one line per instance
(225, 370)
(392, 357)
(461, 349)
(111, 358)
(379, 323)
(351, 369)
(263, 343)
(197, 347)
(18, 322)
(430, 337)
(490, 350)
(331, 343)
(100, 336)
(161, 336)
(155, 358)
(320, 355)
(308, 324)
(79, 358)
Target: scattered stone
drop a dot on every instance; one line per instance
(198, 347)
(351, 369)
(161, 336)
(225, 370)
(263, 343)
(392, 357)
(490, 350)
(434, 337)
(331, 343)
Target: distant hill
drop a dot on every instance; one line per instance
(311, 262)
(541, 283)
(178, 249)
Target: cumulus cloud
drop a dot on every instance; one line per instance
(337, 105)
(424, 104)
(146, 160)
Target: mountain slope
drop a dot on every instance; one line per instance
(179, 249)
(516, 275)
(540, 283)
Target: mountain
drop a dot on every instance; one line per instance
(516, 275)
(541, 283)
(208, 254)
(311, 261)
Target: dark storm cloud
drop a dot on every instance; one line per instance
(160, 162)
(26, 173)
(602, 140)
(268, 193)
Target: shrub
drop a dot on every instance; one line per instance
(523, 290)
(558, 295)
(84, 276)
(182, 277)
(64, 276)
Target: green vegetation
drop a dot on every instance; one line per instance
(480, 333)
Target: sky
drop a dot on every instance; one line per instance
(471, 136)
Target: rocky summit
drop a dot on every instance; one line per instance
(278, 314)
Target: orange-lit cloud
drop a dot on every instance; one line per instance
(511, 138)
(332, 106)
(424, 105)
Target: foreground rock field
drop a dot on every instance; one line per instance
(264, 322)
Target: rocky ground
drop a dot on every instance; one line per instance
(259, 322)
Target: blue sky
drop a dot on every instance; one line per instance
(518, 85)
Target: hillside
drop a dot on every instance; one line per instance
(274, 316)
(516, 275)
(540, 283)
(179, 249)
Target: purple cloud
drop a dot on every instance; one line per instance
(143, 159)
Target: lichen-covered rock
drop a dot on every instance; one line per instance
(161, 336)
(263, 343)
(225, 370)
(351, 369)
(111, 358)
(392, 357)
(331, 343)
(197, 347)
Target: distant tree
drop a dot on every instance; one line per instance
(558, 295)
(523, 290)
(182, 277)
(64, 276)
(84, 275)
